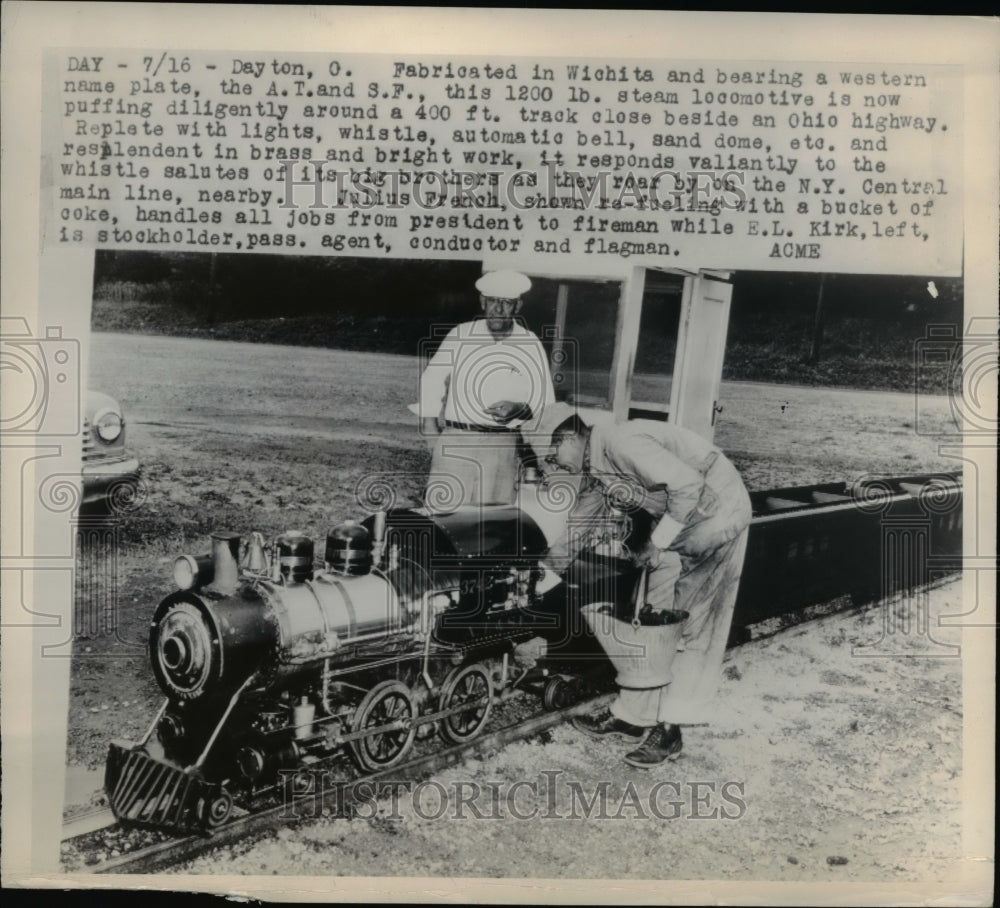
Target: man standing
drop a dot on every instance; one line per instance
(488, 379)
(701, 512)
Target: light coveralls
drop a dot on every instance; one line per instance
(672, 472)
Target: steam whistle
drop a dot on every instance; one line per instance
(255, 561)
(275, 562)
(378, 541)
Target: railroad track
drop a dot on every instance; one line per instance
(155, 856)
(82, 822)
(173, 850)
(814, 537)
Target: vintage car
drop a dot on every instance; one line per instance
(110, 472)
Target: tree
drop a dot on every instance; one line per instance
(817, 337)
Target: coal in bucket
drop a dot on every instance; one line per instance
(641, 649)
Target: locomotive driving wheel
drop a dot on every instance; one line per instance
(469, 685)
(388, 703)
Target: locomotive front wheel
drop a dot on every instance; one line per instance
(471, 685)
(385, 704)
(214, 811)
(559, 693)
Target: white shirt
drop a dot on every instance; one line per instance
(472, 371)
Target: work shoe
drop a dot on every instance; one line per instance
(605, 725)
(662, 743)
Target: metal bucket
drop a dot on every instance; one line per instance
(642, 654)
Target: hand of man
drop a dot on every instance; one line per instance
(503, 411)
(649, 557)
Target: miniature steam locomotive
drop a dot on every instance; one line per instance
(270, 666)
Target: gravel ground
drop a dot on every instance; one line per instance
(821, 764)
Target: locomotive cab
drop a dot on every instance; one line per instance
(481, 562)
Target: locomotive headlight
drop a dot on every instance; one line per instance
(183, 650)
(109, 426)
(191, 572)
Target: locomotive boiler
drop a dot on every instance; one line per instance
(270, 665)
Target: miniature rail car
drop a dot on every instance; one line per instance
(867, 540)
(412, 626)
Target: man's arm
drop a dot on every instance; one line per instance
(665, 532)
(434, 384)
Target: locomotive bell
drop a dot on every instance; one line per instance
(255, 561)
(295, 556)
(349, 549)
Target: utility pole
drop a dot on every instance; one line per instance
(817, 338)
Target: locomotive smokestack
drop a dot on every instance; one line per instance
(225, 551)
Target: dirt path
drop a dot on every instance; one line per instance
(181, 393)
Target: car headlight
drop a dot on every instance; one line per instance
(109, 426)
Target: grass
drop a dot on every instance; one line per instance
(343, 332)
(268, 486)
(856, 353)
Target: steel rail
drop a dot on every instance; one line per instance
(82, 822)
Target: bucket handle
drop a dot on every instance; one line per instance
(640, 597)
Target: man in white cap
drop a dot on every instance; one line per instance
(488, 380)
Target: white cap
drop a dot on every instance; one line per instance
(506, 285)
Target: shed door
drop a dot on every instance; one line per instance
(701, 347)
